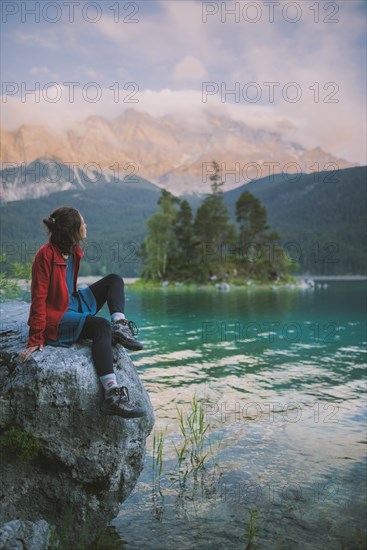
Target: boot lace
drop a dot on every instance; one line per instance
(123, 394)
(131, 326)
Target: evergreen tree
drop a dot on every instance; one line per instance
(185, 252)
(160, 243)
(262, 256)
(212, 227)
(251, 216)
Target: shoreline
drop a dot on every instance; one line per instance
(138, 282)
(131, 280)
(332, 277)
(93, 278)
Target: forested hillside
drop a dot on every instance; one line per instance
(320, 217)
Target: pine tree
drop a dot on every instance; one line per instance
(212, 227)
(185, 251)
(251, 216)
(262, 255)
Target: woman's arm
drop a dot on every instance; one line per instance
(41, 273)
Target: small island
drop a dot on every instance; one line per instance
(210, 250)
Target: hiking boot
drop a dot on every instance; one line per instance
(123, 332)
(117, 402)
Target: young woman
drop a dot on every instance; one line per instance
(60, 315)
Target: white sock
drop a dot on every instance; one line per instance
(108, 381)
(117, 316)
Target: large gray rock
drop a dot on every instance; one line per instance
(26, 535)
(87, 463)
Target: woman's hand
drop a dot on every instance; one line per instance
(28, 352)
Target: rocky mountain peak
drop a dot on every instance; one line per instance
(167, 150)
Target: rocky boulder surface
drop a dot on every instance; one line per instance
(63, 460)
(25, 535)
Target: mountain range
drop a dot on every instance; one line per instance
(169, 151)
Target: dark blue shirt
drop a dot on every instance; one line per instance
(81, 304)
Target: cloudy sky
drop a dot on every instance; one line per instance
(298, 67)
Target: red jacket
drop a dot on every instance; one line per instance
(50, 296)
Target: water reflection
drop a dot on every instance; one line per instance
(282, 376)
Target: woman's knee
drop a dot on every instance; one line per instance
(98, 328)
(113, 277)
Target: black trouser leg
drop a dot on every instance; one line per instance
(110, 289)
(99, 330)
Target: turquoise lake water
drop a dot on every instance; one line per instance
(281, 378)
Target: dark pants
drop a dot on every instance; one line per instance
(109, 289)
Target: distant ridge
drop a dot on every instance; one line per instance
(168, 150)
